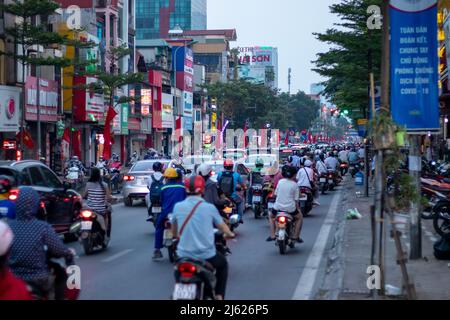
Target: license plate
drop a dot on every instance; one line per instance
(156, 209)
(256, 199)
(185, 291)
(323, 180)
(168, 234)
(331, 181)
(86, 225)
(270, 205)
(304, 198)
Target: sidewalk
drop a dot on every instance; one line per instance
(349, 256)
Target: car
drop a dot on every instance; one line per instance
(60, 205)
(235, 154)
(239, 167)
(190, 162)
(135, 181)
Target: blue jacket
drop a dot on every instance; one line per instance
(28, 259)
(171, 194)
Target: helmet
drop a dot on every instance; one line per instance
(158, 167)
(259, 163)
(288, 172)
(6, 183)
(75, 158)
(6, 238)
(228, 163)
(171, 173)
(322, 156)
(204, 170)
(308, 163)
(195, 185)
(290, 159)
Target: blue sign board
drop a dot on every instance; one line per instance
(414, 64)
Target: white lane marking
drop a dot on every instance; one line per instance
(118, 255)
(308, 278)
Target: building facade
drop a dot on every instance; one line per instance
(154, 18)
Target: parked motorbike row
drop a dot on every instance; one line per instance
(435, 190)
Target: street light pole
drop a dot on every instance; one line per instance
(38, 105)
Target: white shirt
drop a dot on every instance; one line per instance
(321, 167)
(343, 156)
(288, 194)
(331, 163)
(302, 177)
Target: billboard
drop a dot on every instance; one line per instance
(414, 64)
(9, 108)
(48, 99)
(254, 74)
(167, 111)
(183, 63)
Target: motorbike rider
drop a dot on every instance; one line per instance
(196, 240)
(269, 181)
(353, 157)
(332, 162)
(296, 159)
(11, 288)
(99, 197)
(157, 180)
(7, 207)
(230, 183)
(288, 195)
(211, 193)
(256, 177)
(321, 167)
(343, 155)
(134, 158)
(34, 240)
(171, 193)
(307, 179)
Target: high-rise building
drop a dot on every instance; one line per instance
(154, 18)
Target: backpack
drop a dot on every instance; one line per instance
(442, 249)
(226, 183)
(155, 190)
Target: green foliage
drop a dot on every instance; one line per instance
(241, 100)
(346, 64)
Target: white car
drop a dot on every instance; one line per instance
(190, 162)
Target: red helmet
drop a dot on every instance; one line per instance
(228, 163)
(195, 185)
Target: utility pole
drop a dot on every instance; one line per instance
(289, 80)
(38, 106)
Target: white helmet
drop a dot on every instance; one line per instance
(308, 163)
(204, 170)
(6, 238)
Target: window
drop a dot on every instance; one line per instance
(25, 178)
(36, 177)
(52, 179)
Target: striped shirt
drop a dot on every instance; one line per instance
(96, 197)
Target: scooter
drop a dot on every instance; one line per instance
(284, 231)
(323, 183)
(89, 230)
(306, 200)
(169, 241)
(257, 200)
(343, 168)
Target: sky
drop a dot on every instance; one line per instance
(286, 24)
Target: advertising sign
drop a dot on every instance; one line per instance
(188, 101)
(48, 99)
(167, 111)
(146, 101)
(9, 109)
(95, 108)
(124, 119)
(414, 64)
(254, 74)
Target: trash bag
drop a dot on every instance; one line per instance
(353, 214)
(442, 249)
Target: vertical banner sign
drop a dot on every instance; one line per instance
(414, 64)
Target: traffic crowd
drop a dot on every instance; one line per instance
(197, 207)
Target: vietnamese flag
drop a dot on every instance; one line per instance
(27, 140)
(66, 135)
(107, 133)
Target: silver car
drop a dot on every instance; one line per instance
(135, 181)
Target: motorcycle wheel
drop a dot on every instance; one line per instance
(88, 245)
(257, 212)
(441, 224)
(172, 254)
(282, 247)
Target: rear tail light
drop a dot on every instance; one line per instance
(129, 178)
(13, 194)
(86, 214)
(187, 270)
(282, 219)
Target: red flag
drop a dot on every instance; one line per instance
(107, 132)
(77, 143)
(286, 138)
(27, 140)
(66, 135)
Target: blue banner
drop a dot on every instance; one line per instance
(414, 64)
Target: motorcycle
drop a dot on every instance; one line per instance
(306, 200)
(441, 220)
(434, 198)
(354, 168)
(169, 241)
(116, 179)
(231, 218)
(257, 200)
(195, 279)
(343, 168)
(59, 290)
(90, 232)
(284, 231)
(271, 199)
(331, 179)
(323, 183)
(74, 175)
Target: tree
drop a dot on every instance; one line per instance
(28, 35)
(347, 64)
